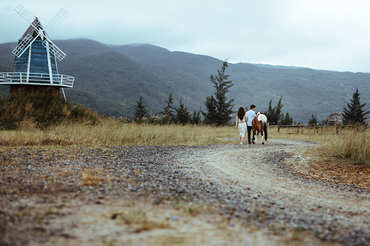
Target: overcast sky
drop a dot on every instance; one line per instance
(319, 34)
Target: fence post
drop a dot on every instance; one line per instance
(297, 127)
(292, 128)
(314, 128)
(302, 126)
(278, 127)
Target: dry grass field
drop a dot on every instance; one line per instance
(349, 144)
(112, 133)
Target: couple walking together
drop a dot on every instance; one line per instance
(244, 122)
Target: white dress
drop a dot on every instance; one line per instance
(242, 127)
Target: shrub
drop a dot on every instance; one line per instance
(41, 111)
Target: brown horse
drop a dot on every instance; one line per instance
(259, 124)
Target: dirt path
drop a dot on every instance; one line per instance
(247, 169)
(176, 195)
(321, 207)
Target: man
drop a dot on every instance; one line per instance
(250, 115)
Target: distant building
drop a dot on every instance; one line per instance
(335, 119)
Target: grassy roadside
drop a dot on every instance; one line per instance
(34, 120)
(348, 144)
(112, 133)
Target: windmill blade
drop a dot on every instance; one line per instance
(37, 25)
(28, 40)
(58, 53)
(22, 11)
(57, 19)
(23, 45)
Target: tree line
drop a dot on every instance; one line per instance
(219, 110)
(353, 113)
(167, 116)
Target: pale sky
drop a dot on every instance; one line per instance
(319, 34)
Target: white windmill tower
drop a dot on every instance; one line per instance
(35, 67)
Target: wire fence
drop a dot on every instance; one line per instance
(302, 128)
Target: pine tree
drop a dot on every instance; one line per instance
(168, 110)
(354, 113)
(312, 120)
(273, 113)
(196, 118)
(287, 120)
(183, 116)
(140, 110)
(211, 110)
(219, 111)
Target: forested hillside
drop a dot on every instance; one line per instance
(305, 91)
(111, 78)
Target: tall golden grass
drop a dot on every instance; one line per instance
(351, 143)
(111, 133)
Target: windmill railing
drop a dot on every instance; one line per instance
(13, 78)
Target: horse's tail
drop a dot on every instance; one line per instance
(263, 118)
(265, 130)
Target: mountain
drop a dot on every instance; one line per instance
(105, 80)
(275, 66)
(305, 91)
(110, 78)
(186, 75)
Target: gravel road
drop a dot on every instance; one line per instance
(252, 184)
(254, 177)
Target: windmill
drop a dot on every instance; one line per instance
(35, 66)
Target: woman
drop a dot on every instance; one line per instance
(241, 123)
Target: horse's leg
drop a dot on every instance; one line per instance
(262, 138)
(260, 129)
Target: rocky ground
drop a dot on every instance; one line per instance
(180, 195)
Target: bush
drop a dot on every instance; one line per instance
(41, 111)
